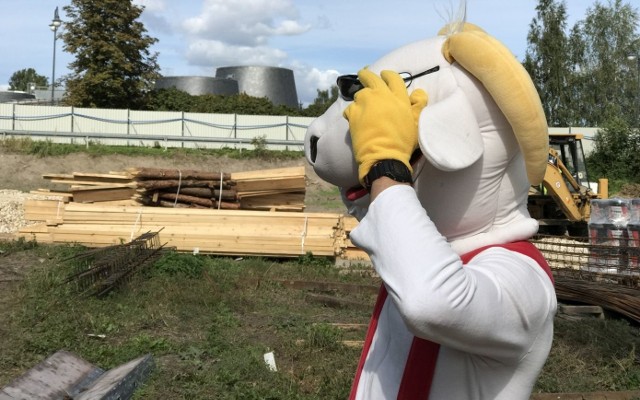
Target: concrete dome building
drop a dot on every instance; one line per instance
(275, 83)
(199, 85)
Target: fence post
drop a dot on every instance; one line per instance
(286, 134)
(128, 124)
(13, 117)
(72, 122)
(182, 132)
(235, 126)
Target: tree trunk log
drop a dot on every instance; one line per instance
(164, 184)
(200, 201)
(207, 193)
(160, 173)
(183, 198)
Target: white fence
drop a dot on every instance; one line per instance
(167, 128)
(150, 128)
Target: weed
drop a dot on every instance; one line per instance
(309, 260)
(323, 336)
(259, 144)
(180, 264)
(17, 245)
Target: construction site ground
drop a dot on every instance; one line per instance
(20, 174)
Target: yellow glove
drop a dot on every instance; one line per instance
(383, 120)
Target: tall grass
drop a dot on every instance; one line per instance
(46, 148)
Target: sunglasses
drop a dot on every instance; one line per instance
(349, 85)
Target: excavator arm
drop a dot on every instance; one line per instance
(563, 202)
(557, 188)
(558, 182)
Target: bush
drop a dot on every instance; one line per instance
(616, 152)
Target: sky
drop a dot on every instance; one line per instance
(317, 39)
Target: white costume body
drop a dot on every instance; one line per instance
(493, 318)
(493, 342)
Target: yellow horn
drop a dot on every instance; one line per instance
(510, 87)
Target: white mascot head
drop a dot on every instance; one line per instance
(483, 137)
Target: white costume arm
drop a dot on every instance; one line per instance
(495, 306)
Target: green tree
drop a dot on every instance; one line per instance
(177, 100)
(322, 102)
(171, 100)
(113, 66)
(615, 157)
(605, 81)
(20, 80)
(547, 62)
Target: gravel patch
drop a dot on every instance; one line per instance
(12, 209)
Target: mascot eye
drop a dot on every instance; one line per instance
(349, 85)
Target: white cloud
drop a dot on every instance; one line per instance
(213, 53)
(310, 79)
(246, 22)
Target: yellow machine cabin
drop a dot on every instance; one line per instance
(562, 203)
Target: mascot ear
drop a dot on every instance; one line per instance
(459, 143)
(509, 84)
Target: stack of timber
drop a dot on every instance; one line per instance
(90, 187)
(222, 232)
(280, 189)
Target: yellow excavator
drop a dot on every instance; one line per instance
(562, 203)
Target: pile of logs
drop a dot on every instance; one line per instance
(280, 189)
(184, 188)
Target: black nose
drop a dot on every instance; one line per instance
(313, 144)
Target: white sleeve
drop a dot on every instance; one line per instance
(496, 305)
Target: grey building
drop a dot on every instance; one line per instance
(199, 85)
(275, 83)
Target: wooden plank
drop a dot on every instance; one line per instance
(106, 177)
(238, 235)
(257, 193)
(48, 192)
(271, 184)
(102, 193)
(57, 176)
(193, 213)
(268, 173)
(73, 181)
(211, 246)
(60, 373)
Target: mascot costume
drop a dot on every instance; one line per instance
(434, 148)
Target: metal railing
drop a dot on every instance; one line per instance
(145, 128)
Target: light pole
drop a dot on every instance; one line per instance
(55, 24)
(637, 58)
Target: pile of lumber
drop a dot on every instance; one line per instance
(91, 187)
(280, 189)
(211, 231)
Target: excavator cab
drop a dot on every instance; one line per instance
(570, 151)
(562, 203)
